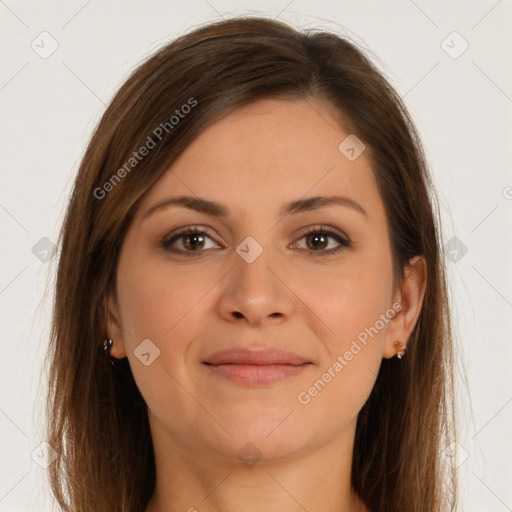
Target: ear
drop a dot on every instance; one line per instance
(113, 328)
(410, 296)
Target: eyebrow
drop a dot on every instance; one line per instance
(215, 209)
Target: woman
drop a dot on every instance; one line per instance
(251, 240)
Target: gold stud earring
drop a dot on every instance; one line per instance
(400, 347)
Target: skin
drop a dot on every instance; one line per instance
(253, 161)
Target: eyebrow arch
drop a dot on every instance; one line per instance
(218, 210)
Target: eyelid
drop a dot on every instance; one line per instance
(324, 228)
(186, 230)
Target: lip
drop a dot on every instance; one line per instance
(244, 356)
(253, 368)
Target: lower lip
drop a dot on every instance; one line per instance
(257, 375)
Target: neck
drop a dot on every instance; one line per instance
(211, 482)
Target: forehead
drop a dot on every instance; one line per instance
(267, 153)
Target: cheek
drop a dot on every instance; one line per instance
(353, 303)
(348, 302)
(164, 307)
(166, 304)
(335, 398)
(156, 300)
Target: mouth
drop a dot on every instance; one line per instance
(252, 368)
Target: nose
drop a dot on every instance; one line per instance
(255, 291)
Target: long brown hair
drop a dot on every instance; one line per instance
(97, 418)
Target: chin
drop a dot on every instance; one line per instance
(262, 438)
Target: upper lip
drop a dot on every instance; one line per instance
(261, 357)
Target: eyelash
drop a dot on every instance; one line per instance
(166, 244)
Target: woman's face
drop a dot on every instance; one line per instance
(267, 326)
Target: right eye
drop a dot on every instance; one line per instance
(190, 239)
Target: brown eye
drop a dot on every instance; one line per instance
(187, 241)
(318, 241)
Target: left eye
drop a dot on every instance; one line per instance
(317, 241)
(194, 240)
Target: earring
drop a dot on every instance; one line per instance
(400, 347)
(107, 344)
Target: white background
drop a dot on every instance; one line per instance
(462, 106)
